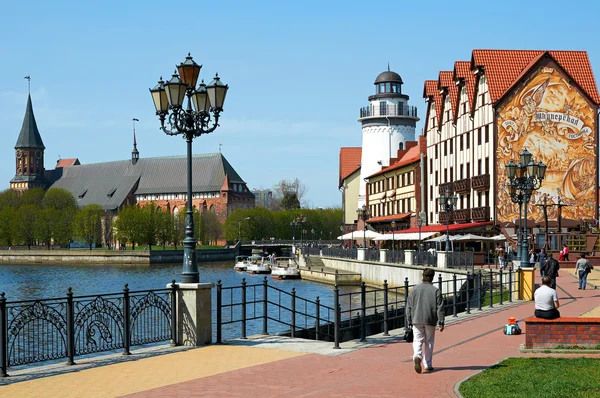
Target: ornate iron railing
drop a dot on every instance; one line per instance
(351, 253)
(40, 330)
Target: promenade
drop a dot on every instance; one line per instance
(279, 367)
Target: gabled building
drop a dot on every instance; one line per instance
(485, 111)
(349, 184)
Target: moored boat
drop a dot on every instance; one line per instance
(257, 265)
(241, 263)
(285, 269)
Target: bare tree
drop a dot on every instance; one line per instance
(288, 190)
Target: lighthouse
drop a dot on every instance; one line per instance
(388, 122)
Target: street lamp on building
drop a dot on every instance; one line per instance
(447, 204)
(421, 220)
(393, 225)
(207, 103)
(523, 179)
(363, 214)
(240, 227)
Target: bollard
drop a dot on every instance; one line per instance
(385, 308)
(469, 295)
(405, 303)
(491, 289)
(3, 336)
(70, 328)
(363, 311)
(454, 296)
(500, 275)
(126, 321)
(265, 306)
(244, 283)
(479, 284)
(440, 284)
(173, 341)
(519, 284)
(336, 317)
(318, 315)
(510, 285)
(293, 329)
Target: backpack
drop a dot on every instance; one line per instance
(512, 329)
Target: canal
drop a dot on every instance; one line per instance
(37, 281)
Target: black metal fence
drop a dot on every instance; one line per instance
(40, 330)
(351, 253)
(460, 260)
(396, 256)
(353, 315)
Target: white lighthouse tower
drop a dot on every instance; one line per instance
(387, 123)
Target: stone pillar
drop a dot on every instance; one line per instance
(408, 257)
(383, 255)
(527, 276)
(362, 254)
(441, 259)
(194, 313)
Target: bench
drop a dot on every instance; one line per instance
(568, 331)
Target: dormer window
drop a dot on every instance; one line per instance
(111, 193)
(82, 194)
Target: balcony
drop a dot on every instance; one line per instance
(388, 110)
(442, 217)
(481, 183)
(442, 188)
(480, 213)
(462, 186)
(462, 215)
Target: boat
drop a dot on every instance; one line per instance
(241, 262)
(257, 265)
(285, 269)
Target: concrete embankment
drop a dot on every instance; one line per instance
(82, 256)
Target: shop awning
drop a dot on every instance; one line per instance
(452, 227)
(406, 236)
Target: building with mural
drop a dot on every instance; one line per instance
(484, 112)
(216, 186)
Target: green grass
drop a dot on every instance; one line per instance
(537, 377)
(495, 297)
(576, 347)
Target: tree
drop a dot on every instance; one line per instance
(55, 221)
(88, 224)
(7, 236)
(149, 224)
(165, 227)
(22, 224)
(128, 225)
(290, 188)
(9, 198)
(290, 201)
(211, 227)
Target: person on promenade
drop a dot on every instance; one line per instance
(424, 309)
(582, 268)
(546, 300)
(542, 258)
(551, 267)
(565, 252)
(500, 254)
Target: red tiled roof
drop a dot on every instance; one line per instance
(350, 159)
(446, 80)
(431, 90)
(462, 70)
(503, 68)
(411, 156)
(451, 227)
(67, 162)
(394, 217)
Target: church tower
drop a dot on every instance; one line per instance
(29, 155)
(387, 123)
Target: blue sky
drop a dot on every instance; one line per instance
(298, 72)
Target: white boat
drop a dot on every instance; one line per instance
(285, 269)
(257, 265)
(241, 262)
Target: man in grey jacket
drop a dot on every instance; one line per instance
(425, 309)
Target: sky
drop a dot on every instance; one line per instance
(298, 72)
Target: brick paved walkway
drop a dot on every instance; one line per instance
(383, 370)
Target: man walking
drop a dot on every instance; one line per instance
(425, 309)
(551, 268)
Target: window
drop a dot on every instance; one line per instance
(487, 133)
(468, 140)
(430, 216)
(387, 88)
(487, 165)
(479, 199)
(464, 106)
(468, 170)
(487, 198)
(462, 141)
(382, 108)
(408, 206)
(401, 146)
(479, 167)
(479, 136)
(436, 151)
(468, 201)
(445, 148)
(431, 191)
(430, 166)
(451, 174)
(451, 146)
(436, 178)
(445, 175)
(461, 171)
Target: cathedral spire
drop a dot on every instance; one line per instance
(30, 135)
(135, 154)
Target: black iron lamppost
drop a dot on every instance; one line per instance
(240, 227)
(312, 235)
(421, 220)
(207, 103)
(447, 204)
(523, 179)
(393, 225)
(363, 214)
(298, 221)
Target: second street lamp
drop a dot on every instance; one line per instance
(363, 214)
(168, 98)
(393, 225)
(240, 227)
(447, 205)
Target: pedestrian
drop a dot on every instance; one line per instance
(546, 300)
(551, 267)
(500, 253)
(565, 252)
(542, 258)
(583, 268)
(424, 309)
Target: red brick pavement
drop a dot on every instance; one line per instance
(386, 370)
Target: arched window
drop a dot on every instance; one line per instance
(401, 146)
(212, 209)
(175, 212)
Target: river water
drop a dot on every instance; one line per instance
(40, 281)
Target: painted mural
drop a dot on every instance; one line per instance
(556, 124)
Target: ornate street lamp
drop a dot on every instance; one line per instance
(168, 98)
(447, 204)
(393, 225)
(240, 228)
(363, 214)
(300, 220)
(523, 179)
(421, 220)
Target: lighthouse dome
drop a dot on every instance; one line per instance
(388, 77)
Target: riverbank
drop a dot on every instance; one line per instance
(84, 256)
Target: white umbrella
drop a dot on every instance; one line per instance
(442, 238)
(359, 235)
(472, 237)
(406, 236)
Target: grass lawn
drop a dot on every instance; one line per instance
(537, 377)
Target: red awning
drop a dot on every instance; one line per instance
(395, 217)
(451, 227)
